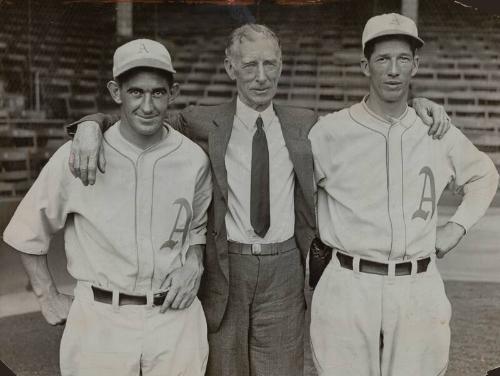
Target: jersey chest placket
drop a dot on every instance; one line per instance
(143, 225)
(395, 190)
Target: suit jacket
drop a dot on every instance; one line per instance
(210, 127)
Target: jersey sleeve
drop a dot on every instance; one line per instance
(321, 146)
(43, 211)
(105, 121)
(201, 202)
(475, 175)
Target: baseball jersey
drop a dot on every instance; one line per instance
(134, 225)
(379, 182)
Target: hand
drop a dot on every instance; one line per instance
(55, 307)
(87, 152)
(433, 115)
(447, 237)
(183, 284)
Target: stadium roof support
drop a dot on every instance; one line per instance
(409, 8)
(124, 24)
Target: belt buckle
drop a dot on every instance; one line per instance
(256, 249)
(159, 295)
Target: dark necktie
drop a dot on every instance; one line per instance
(260, 216)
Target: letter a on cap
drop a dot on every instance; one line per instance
(143, 49)
(395, 20)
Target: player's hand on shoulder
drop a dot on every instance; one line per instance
(447, 237)
(183, 284)
(55, 307)
(433, 115)
(87, 153)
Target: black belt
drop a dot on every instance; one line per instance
(374, 267)
(262, 249)
(105, 296)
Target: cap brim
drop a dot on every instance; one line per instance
(419, 41)
(146, 63)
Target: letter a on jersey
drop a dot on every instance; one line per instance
(428, 178)
(186, 208)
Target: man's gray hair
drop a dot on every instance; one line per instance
(246, 31)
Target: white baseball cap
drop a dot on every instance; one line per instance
(141, 53)
(390, 24)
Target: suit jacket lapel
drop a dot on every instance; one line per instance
(218, 140)
(299, 148)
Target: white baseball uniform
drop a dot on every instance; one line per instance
(125, 234)
(379, 183)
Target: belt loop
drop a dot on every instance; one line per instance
(277, 248)
(149, 299)
(355, 264)
(116, 300)
(414, 267)
(391, 272)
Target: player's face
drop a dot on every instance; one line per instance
(144, 99)
(256, 67)
(390, 69)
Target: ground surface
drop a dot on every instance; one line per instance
(30, 346)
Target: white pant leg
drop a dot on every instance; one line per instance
(345, 322)
(103, 340)
(176, 342)
(416, 327)
(99, 340)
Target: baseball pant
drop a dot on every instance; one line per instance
(262, 331)
(103, 339)
(371, 325)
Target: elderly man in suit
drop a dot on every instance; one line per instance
(262, 217)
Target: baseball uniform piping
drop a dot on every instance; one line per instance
(402, 190)
(388, 193)
(152, 193)
(386, 168)
(135, 206)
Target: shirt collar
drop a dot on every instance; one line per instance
(248, 115)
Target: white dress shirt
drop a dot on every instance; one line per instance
(238, 162)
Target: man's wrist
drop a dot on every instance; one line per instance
(194, 254)
(44, 293)
(457, 228)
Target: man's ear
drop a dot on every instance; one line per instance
(228, 64)
(364, 66)
(174, 92)
(114, 90)
(414, 68)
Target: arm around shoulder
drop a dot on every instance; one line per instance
(104, 121)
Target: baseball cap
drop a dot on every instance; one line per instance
(141, 53)
(390, 24)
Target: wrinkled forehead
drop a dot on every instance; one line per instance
(254, 42)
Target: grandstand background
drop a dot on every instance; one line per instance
(56, 57)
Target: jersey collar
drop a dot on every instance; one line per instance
(362, 114)
(170, 141)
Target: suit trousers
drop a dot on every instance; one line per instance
(262, 331)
